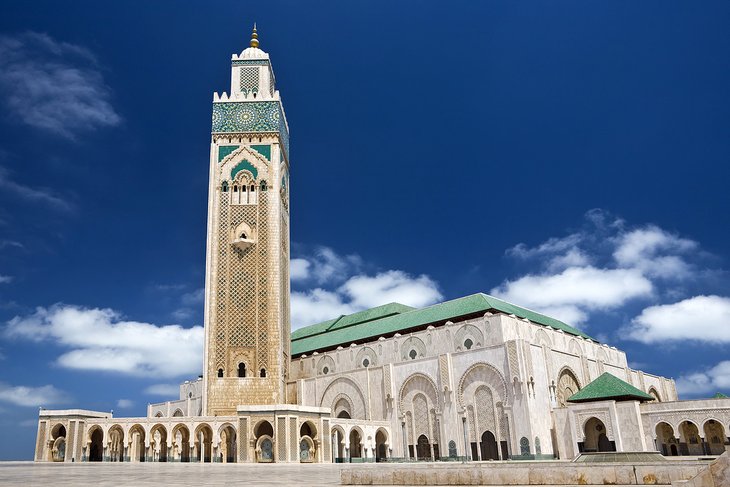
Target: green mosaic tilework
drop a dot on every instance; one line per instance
(225, 151)
(264, 150)
(608, 386)
(244, 164)
(253, 117)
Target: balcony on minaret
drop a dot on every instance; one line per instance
(242, 243)
(243, 237)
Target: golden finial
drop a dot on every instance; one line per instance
(254, 37)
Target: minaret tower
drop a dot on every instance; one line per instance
(247, 265)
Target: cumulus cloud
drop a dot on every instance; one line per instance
(341, 287)
(700, 319)
(600, 267)
(576, 291)
(32, 396)
(299, 269)
(100, 339)
(163, 390)
(324, 266)
(708, 381)
(655, 252)
(54, 86)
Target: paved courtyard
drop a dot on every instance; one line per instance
(28, 474)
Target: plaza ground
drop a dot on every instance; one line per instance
(176, 474)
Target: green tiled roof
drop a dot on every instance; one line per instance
(608, 386)
(392, 318)
(720, 395)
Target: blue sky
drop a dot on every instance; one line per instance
(570, 156)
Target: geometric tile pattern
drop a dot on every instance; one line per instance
(249, 79)
(254, 117)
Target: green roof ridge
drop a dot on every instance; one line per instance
(720, 395)
(391, 318)
(608, 386)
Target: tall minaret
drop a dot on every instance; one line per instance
(247, 265)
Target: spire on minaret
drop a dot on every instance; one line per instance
(254, 37)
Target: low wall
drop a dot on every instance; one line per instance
(522, 473)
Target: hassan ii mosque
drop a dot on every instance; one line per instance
(475, 377)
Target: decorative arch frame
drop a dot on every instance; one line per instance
(468, 331)
(257, 452)
(496, 382)
(366, 353)
(223, 426)
(326, 361)
(575, 348)
(258, 423)
(340, 398)
(254, 158)
(347, 386)
(542, 338)
(566, 369)
(312, 427)
(655, 393)
(412, 343)
(91, 430)
(431, 391)
(243, 228)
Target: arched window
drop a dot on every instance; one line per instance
(468, 343)
(262, 373)
(366, 363)
(241, 370)
(224, 186)
(235, 188)
(252, 188)
(220, 372)
(263, 186)
(413, 354)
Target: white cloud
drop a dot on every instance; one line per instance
(714, 379)
(655, 252)
(36, 194)
(124, 403)
(5, 279)
(349, 290)
(32, 396)
(576, 290)
(163, 390)
(316, 305)
(601, 267)
(325, 266)
(551, 246)
(299, 269)
(391, 287)
(101, 340)
(54, 86)
(701, 319)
